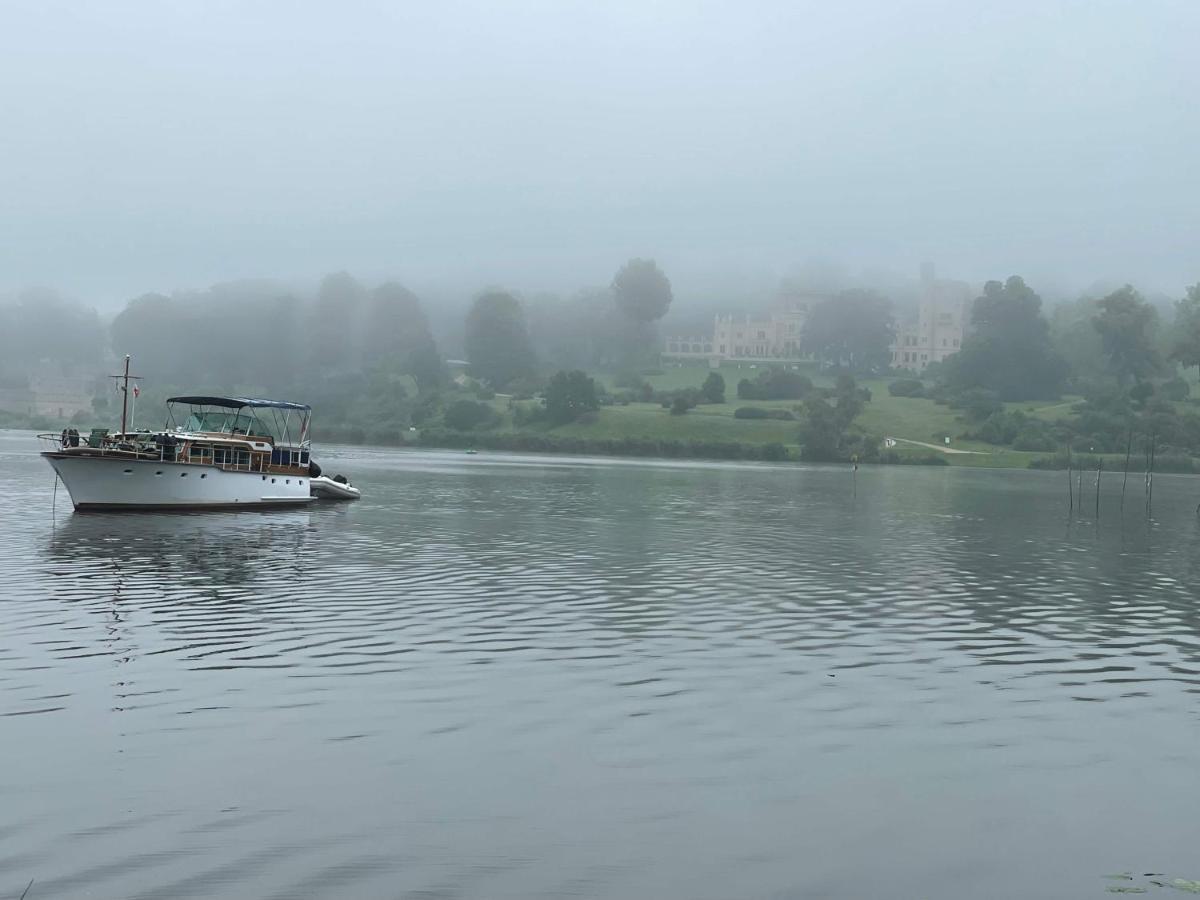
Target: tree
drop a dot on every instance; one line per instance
(641, 291)
(1009, 350)
(853, 329)
(713, 389)
(497, 342)
(336, 327)
(149, 327)
(398, 329)
(43, 325)
(1126, 325)
(569, 395)
(821, 431)
(1185, 344)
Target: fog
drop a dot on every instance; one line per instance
(154, 147)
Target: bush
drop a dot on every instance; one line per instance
(466, 415)
(680, 405)
(751, 412)
(713, 389)
(1031, 437)
(775, 384)
(1176, 389)
(569, 395)
(977, 404)
(774, 452)
(907, 387)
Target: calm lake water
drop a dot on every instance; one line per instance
(517, 677)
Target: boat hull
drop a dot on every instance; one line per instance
(108, 482)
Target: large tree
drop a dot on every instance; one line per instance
(641, 291)
(853, 329)
(497, 342)
(1185, 337)
(43, 325)
(398, 334)
(152, 328)
(1126, 325)
(1009, 350)
(335, 338)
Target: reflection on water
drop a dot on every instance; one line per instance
(507, 677)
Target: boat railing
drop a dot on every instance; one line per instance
(153, 448)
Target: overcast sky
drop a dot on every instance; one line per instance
(159, 145)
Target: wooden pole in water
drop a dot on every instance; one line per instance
(1070, 483)
(1150, 483)
(1125, 480)
(1099, 470)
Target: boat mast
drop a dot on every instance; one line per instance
(123, 387)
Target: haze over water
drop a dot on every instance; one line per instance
(524, 677)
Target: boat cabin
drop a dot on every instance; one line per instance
(240, 434)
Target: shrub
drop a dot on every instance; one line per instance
(680, 405)
(713, 389)
(774, 452)
(775, 384)
(751, 412)
(466, 415)
(978, 404)
(569, 395)
(1175, 389)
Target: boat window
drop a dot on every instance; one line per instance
(221, 422)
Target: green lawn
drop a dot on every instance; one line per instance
(704, 423)
(907, 418)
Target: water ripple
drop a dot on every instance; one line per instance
(512, 677)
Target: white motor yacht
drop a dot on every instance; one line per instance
(215, 452)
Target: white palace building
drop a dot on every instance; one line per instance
(935, 333)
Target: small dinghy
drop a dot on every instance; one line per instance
(335, 488)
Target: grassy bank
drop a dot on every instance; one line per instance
(712, 431)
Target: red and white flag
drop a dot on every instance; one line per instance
(136, 392)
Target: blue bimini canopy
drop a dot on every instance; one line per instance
(240, 403)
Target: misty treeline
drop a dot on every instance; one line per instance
(359, 353)
(366, 355)
(39, 325)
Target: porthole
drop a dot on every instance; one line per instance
(159, 472)
(203, 474)
(288, 481)
(264, 478)
(128, 471)
(183, 474)
(272, 481)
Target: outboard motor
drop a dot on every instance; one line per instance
(314, 471)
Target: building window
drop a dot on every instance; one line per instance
(672, 347)
(956, 342)
(722, 348)
(762, 335)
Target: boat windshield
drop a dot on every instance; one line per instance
(226, 423)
